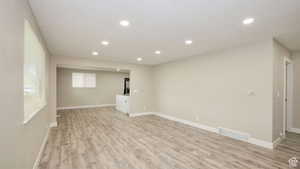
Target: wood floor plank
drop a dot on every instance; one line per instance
(103, 138)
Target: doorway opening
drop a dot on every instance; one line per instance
(81, 87)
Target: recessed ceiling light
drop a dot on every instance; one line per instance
(124, 23)
(118, 69)
(248, 21)
(139, 59)
(157, 52)
(95, 53)
(188, 42)
(105, 43)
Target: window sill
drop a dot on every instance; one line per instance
(29, 118)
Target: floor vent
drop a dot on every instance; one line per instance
(233, 134)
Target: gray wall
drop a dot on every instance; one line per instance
(109, 84)
(296, 99)
(141, 81)
(214, 88)
(19, 143)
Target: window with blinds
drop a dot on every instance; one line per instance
(83, 80)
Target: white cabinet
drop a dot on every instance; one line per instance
(122, 103)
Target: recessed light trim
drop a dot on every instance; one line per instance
(105, 43)
(95, 53)
(248, 21)
(157, 52)
(188, 42)
(124, 23)
(139, 59)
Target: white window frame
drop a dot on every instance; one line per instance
(32, 48)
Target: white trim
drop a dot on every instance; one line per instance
(286, 61)
(277, 141)
(30, 117)
(38, 159)
(294, 130)
(290, 96)
(85, 106)
(251, 140)
(53, 124)
(140, 114)
(242, 135)
(261, 143)
(194, 124)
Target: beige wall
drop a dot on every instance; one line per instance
(214, 88)
(140, 81)
(19, 143)
(279, 53)
(108, 85)
(296, 99)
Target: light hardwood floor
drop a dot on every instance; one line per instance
(103, 138)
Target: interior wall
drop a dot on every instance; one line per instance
(280, 52)
(141, 83)
(10, 64)
(296, 96)
(19, 143)
(231, 89)
(108, 85)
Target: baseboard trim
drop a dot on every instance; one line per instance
(38, 159)
(140, 114)
(53, 124)
(277, 142)
(85, 106)
(294, 130)
(251, 140)
(260, 143)
(194, 124)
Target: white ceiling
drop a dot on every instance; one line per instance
(75, 28)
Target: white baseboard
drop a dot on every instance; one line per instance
(53, 124)
(204, 127)
(251, 140)
(294, 130)
(140, 114)
(260, 143)
(85, 106)
(38, 159)
(277, 141)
